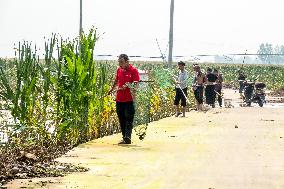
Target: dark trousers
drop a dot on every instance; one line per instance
(210, 94)
(125, 112)
(180, 97)
(219, 97)
(198, 94)
(241, 89)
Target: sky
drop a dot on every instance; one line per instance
(134, 26)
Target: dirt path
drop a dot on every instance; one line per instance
(224, 148)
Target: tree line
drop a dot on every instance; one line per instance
(271, 54)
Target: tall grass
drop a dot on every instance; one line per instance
(56, 99)
(80, 85)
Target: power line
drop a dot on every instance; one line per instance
(198, 55)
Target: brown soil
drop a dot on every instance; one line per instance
(223, 148)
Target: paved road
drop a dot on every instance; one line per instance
(223, 148)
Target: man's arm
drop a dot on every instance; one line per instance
(205, 79)
(194, 80)
(175, 79)
(113, 86)
(193, 86)
(221, 78)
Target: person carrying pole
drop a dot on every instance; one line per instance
(198, 86)
(181, 89)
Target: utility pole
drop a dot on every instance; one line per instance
(170, 57)
(80, 29)
(80, 26)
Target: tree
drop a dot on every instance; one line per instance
(264, 52)
(277, 58)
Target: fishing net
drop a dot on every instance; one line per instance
(142, 107)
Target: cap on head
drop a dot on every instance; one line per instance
(181, 63)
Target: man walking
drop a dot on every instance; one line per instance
(218, 86)
(181, 89)
(126, 74)
(241, 80)
(210, 93)
(197, 87)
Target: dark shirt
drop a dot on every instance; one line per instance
(242, 77)
(211, 77)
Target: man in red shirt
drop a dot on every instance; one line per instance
(126, 76)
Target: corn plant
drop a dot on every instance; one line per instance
(80, 86)
(23, 95)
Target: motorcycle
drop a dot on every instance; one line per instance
(254, 92)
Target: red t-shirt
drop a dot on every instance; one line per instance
(131, 74)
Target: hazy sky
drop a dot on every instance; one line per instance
(132, 26)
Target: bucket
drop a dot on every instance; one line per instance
(228, 102)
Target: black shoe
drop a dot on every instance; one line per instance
(127, 140)
(122, 142)
(177, 114)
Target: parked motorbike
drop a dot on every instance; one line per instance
(254, 92)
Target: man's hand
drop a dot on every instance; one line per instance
(122, 88)
(110, 91)
(112, 88)
(134, 97)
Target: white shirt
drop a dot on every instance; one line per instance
(183, 79)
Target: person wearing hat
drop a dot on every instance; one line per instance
(181, 89)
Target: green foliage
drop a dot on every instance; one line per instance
(65, 100)
(271, 75)
(79, 87)
(266, 52)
